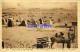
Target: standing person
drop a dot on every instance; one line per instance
(63, 41)
(69, 42)
(52, 41)
(72, 37)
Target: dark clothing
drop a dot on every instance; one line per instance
(52, 41)
(2, 44)
(39, 46)
(3, 22)
(73, 37)
(69, 43)
(52, 44)
(63, 44)
(68, 34)
(65, 24)
(23, 23)
(56, 35)
(10, 23)
(62, 33)
(40, 21)
(63, 41)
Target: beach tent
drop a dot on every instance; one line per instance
(40, 21)
(32, 21)
(10, 23)
(3, 21)
(23, 23)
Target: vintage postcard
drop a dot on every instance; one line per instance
(40, 25)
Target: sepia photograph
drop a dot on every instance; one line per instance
(41, 25)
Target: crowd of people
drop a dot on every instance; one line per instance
(61, 39)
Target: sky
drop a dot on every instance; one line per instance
(25, 5)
